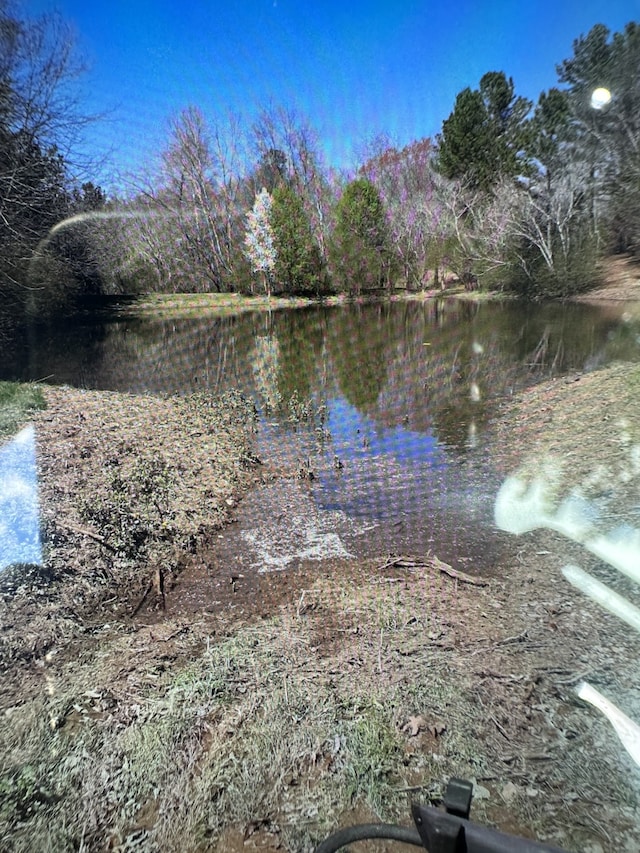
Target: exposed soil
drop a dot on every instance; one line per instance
(130, 489)
(621, 281)
(140, 715)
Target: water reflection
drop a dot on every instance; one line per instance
(378, 472)
(407, 388)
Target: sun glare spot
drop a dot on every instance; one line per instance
(600, 97)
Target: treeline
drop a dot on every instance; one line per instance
(246, 209)
(40, 183)
(526, 197)
(540, 192)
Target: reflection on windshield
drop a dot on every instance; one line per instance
(522, 506)
(19, 522)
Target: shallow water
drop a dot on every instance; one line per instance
(383, 410)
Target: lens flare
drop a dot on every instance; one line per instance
(600, 97)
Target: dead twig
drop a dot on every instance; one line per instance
(500, 728)
(411, 788)
(402, 561)
(143, 599)
(83, 531)
(517, 638)
(182, 630)
(501, 676)
(157, 584)
(571, 677)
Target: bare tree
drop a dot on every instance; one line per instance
(279, 131)
(197, 193)
(40, 126)
(478, 227)
(411, 191)
(556, 231)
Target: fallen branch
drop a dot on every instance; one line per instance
(404, 562)
(83, 531)
(143, 599)
(157, 584)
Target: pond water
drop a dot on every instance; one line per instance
(384, 409)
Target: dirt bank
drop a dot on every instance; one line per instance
(620, 280)
(129, 487)
(336, 690)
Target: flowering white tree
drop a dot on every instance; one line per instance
(259, 248)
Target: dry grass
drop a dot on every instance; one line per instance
(258, 705)
(129, 485)
(199, 305)
(585, 431)
(353, 694)
(368, 688)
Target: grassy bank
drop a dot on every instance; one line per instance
(619, 275)
(351, 701)
(198, 305)
(18, 401)
(129, 486)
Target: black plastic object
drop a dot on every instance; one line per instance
(446, 833)
(440, 831)
(366, 831)
(458, 796)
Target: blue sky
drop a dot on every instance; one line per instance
(355, 69)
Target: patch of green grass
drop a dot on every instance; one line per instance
(373, 752)
(17, 401)
(22, 793)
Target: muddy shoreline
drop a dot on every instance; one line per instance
(346, 689)
(130, 488)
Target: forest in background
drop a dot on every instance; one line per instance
(515, 195)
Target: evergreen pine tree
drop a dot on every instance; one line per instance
(360, 250)
(483, 139)
(298, 264)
